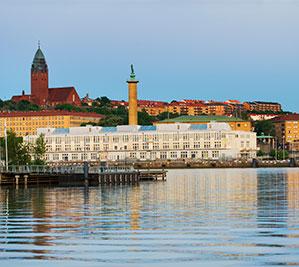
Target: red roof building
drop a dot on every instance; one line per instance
(41, 94)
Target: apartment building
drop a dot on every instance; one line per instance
(287, 130)
(27, 123)
(212, 141)
(262, 106)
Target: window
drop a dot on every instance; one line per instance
(96, 147)
(96, 139)
(133, 155)
(186, 145)
(105, 147)
(184, 154)
(135, 146)
(185, 137)
(176, 137)
(165, 137)
(173, 154)
(217, 144)
(94, 156)
(193, 154)
(77, 148)
(215, 154)
(207, 136)
(196, 145)
(163, 155)
(145, 146)
(165, 146)
(142, 155)
(207, 144)
(176, 145)
(156, 146)
(115, 139)
(75, 156)
(204, 154)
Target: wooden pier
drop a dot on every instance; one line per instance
(76, 175)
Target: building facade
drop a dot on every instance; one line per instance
(262, 106)
(27, 123)
(236, 124)
(287, 131)
(211, 141)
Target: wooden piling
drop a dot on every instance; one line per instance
(17, 179)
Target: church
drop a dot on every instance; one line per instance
(41, 94)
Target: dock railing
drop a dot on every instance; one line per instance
(77, 169)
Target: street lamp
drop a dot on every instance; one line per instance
(6, 147)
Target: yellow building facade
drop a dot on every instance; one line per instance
(287, 130)
(26, 123)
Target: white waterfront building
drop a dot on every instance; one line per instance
(162, 142)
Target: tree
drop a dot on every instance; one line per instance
(104, 101)
(112, 120)
(39, 151)
(69, 107)
(18, 151)
(264, 127)
(22, 105)
(280, 154)
(25, 105)
(145, 119)
(167, 115)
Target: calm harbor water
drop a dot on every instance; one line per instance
(230, 217)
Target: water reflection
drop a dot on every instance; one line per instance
(212, 217)
(272, 200)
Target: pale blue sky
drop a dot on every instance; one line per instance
(203, 49)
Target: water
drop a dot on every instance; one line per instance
(217, 217)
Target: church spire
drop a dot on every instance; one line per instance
(39, 61)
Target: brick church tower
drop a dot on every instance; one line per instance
(39, 79)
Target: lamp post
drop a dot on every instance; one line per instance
(276, 148)
(6, 147)
(283, 157)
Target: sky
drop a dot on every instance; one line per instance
(187, 49)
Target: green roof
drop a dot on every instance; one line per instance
(264, 136)
(39, 62)
(190, 119)
(39, 55)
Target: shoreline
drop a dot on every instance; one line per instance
(291, 163)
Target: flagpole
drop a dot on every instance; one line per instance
(6, 148)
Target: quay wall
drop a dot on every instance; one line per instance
(213, 164)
